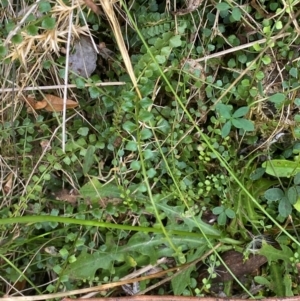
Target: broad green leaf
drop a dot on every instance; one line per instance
(297, 205)
(94, 190)
(222, 218)
(224, 110)
(262, 280)
(274, 194)
(284, 207)
(278, 99)
(294, 72)
(88, 159)
(230, 213)
(226, 129)
(218, 210)
(244, 124)
(240, 112)
(236, 14)
(297, 178)
(292, 195)
(281, 168)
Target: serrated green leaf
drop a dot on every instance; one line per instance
(273, 254)
(80, 83)
(174, 214)
(131, 146)
(181, 281)
(145, 133)
(94, 92)
(129, 126)
(161, 59)
(175, 41)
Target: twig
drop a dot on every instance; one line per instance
(60, 87)
(178, 298)
(230, 50)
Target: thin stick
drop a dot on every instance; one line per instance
(218, 54)
(178, 298)
(66, 80)
(59, 87)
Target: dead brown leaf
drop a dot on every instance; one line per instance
(8, 183)
(191, 6)
(90, 4)
(56, 104)
(51, 103)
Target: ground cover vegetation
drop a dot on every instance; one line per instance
(189, 160)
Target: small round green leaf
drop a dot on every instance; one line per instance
(48, 23)
(129, 126)
(135, 165)
(83, 131)
(44, 6)
(175, 41)
(32, 30)
(222, 6)
(17, 39)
